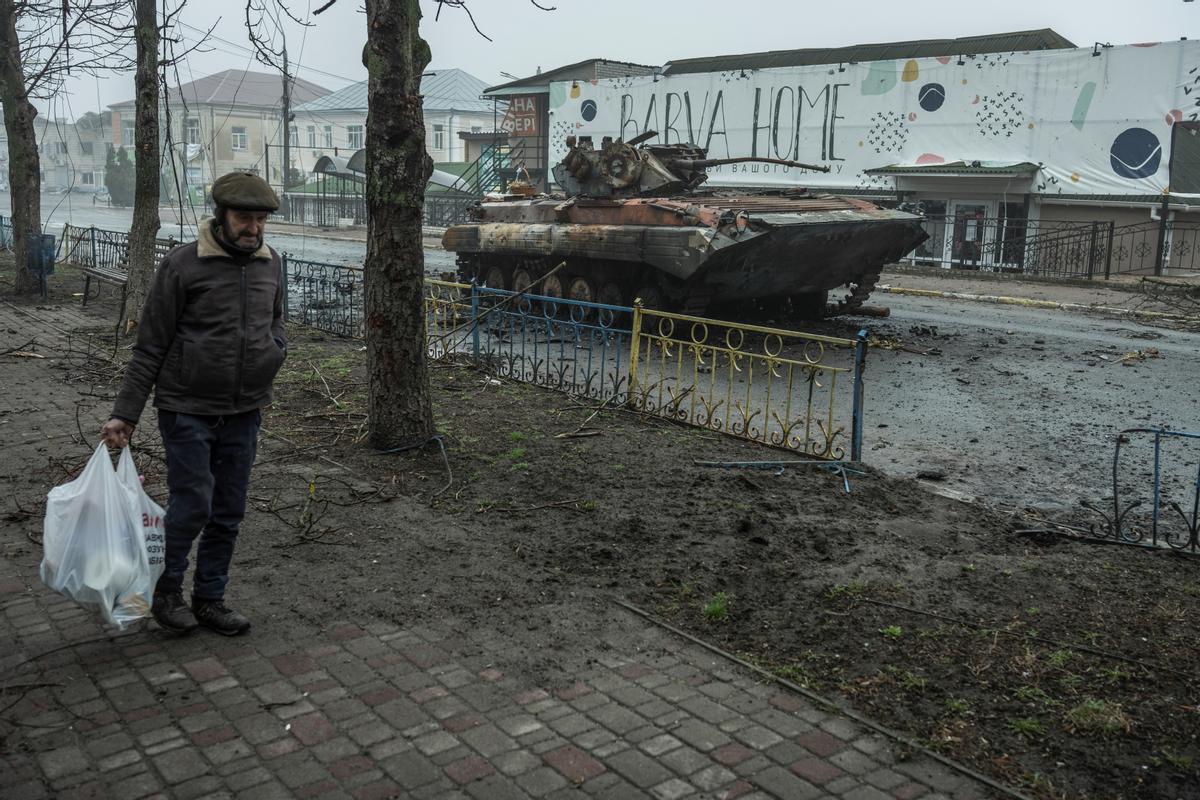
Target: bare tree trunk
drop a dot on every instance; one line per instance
(24, 166)
(399, 407)
(147, 164)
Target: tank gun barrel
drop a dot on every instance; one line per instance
(703, 163)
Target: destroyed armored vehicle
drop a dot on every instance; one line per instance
(636, 225)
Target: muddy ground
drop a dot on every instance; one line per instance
(1061, 667)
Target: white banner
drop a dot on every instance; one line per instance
(1097, 124)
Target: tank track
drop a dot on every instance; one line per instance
(857, 296)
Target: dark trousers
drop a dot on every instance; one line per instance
(208, 472)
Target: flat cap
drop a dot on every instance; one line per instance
(245, 192)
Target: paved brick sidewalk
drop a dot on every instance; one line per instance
(387, 711)
(374, 710)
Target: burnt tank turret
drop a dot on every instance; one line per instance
(635, 223)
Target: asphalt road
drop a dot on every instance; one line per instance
(1022, 406)
(1018, 406)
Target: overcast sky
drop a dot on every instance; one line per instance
(641, 31)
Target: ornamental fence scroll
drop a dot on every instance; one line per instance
(768, 385)
(328, 297)
(1173, 517)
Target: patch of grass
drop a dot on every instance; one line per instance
(516, 454)
(957, 706)
(852, 589)
(618, 467)
(909, 681)
(1178, 761)
(1071, 682)
(1098, 717)
(1190, 589)
(741, 506)
(794, 673)
(521, 465)
(1115, 675)
(1027, 727)
(1060, 658)
(969, 568)
(1033, 611)
(516, 436)
(717, 609)
(892, 631)
(589, 505)
(1033, 694)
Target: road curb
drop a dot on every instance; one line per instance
(1031, 303)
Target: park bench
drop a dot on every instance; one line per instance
(116, 277)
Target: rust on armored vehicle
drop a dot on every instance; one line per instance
(634, 224)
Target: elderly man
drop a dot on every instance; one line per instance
(210, 341)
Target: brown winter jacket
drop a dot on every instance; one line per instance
(211, 335)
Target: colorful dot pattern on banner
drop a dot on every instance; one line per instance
(881, 78)
(1136, 153)
(931, 96)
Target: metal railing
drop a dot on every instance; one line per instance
(787, 389)
(104, 249)
(773, 386)
(1168, 522)
(1088, 249)
(442, 211)
(327, 297)
(6, 235)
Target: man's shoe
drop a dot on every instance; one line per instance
(172, 613)
(214, 615)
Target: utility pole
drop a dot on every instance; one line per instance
(287, 121)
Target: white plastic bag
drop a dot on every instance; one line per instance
(103, 539)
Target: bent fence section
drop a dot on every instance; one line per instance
(792, 390)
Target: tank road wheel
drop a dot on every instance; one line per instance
(495, 276)
(610, 294)
(552, 286)
(522, 279)
(581, 289)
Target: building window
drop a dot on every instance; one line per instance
(87, 179)
(354, 136)
(294, 136)
(127, 133)
(328, 136)
(60, 148)
(439, 137)
(194, 176)
(312, 135)
(85, 148)
(191, 130)
(240, 140)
